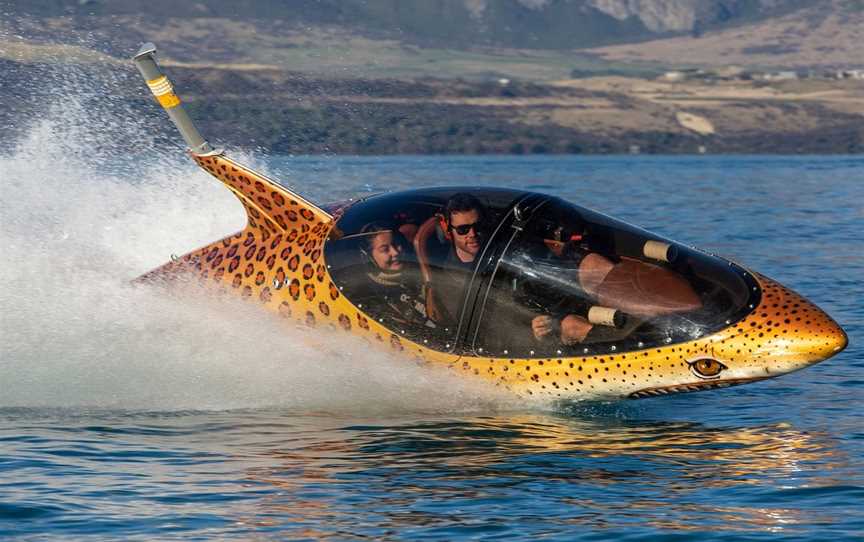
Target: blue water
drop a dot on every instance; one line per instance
(140, 428)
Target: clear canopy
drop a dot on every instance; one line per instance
(548, 277)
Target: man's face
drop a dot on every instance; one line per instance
(467, 244)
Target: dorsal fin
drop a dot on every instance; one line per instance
(268, 204)
(275, 215)
(272, 210)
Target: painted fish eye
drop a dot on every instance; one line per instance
(706, 367)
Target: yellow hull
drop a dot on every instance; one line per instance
(277, 261)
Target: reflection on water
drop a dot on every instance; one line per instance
(519, 468)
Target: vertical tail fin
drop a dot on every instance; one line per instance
(272, 210)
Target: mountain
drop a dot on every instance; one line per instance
(453, 76)
(827, 34)
(442, 24)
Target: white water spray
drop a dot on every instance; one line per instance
(81, 217)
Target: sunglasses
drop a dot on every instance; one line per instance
(463, 229)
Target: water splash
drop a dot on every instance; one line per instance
(84, 212)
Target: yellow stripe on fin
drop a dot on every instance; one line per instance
(168, 100)
(160, 85)
(164, 92)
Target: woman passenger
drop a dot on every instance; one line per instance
(394, 280)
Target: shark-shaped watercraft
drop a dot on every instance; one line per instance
(526, 290)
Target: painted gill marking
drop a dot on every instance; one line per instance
(687, 388)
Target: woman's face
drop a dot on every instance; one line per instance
(386, 253)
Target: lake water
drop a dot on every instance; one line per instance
(127, 413)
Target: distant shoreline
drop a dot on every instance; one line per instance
(290, 113)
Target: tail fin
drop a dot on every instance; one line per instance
(268, 204)
(272, 210)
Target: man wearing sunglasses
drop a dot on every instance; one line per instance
(465, 216)
(463, 224)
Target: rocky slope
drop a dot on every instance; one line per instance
(558, 24)
(827, 35)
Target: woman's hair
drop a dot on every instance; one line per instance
(372, 229)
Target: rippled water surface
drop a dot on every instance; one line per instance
(133, 414)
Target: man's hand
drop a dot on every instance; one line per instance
(543, 326)
(574, 329)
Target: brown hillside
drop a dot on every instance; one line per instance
(828, 36)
